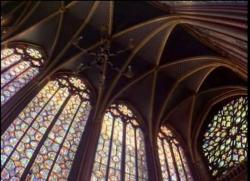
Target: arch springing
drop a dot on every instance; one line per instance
(120, 150)
(224, 143)
(42, 141)
(19, 65)
(173, 162)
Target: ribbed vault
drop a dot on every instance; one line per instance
(175, 52)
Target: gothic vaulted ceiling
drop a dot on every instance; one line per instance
(181, 56)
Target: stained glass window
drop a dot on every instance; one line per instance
(120, 150)
(225, 140)
(42, 141)
(19, 65)
(171, 155)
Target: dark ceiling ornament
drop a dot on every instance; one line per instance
(102, 55)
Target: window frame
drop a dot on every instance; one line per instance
(185, 151)
(54, 77)
(141, 125)
(211, 113)
(22, 97)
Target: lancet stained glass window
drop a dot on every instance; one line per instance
(19, 65)
(173, 162)
(42, 141)
(121, 150)
(225, 140)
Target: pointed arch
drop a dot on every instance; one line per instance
(224, 137)
(20, 63)
(173, 161)
(42, 141)
(121, 146)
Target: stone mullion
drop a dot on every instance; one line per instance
(174, 161)
(45, 136)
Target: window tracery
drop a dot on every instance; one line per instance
(43, 139)
(224, 143)
(121, 150)
(172, 158)
(19, 65)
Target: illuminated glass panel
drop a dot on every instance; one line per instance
(19, 65)
(225, 140)
(120, 151)
(141, 156)
(172, 160)
(67, 152)
(185, 164)
(42, 141)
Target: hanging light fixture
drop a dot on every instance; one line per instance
(103, 54)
